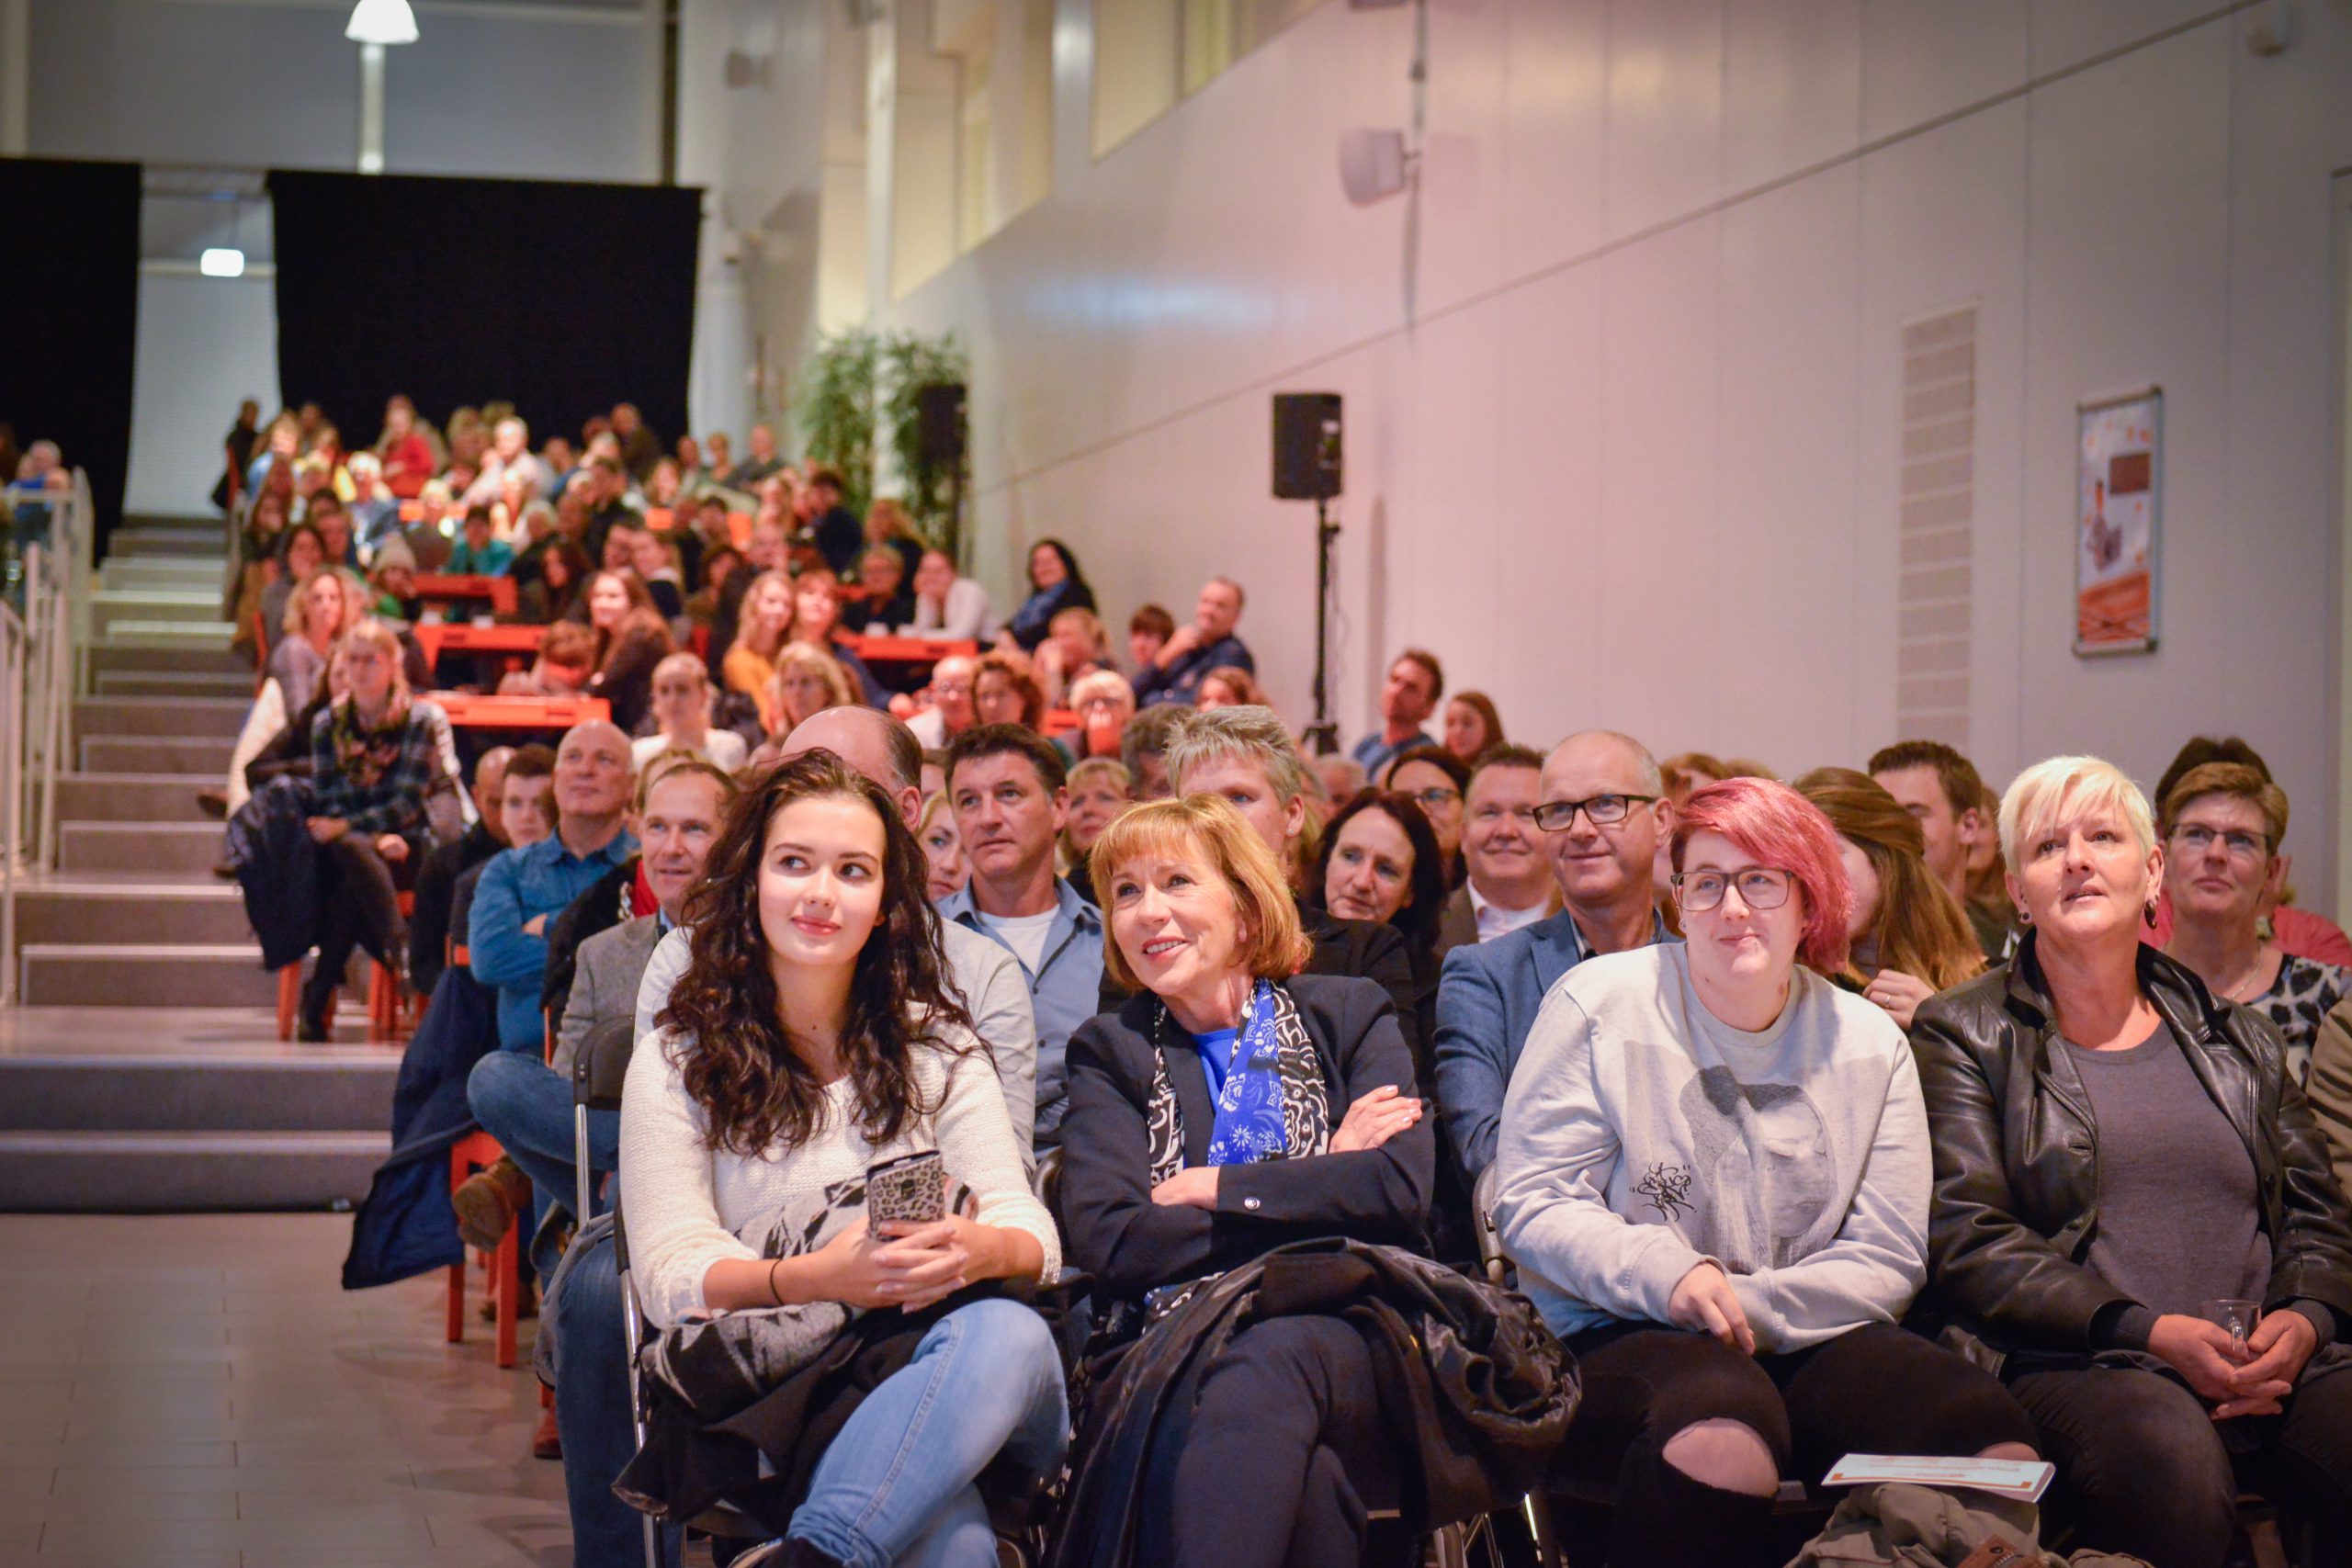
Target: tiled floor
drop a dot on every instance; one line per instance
(198, 1392)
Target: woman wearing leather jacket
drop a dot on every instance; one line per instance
(1234, 1105)
(2114, 1148)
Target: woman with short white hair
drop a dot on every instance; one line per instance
(2120, 1156)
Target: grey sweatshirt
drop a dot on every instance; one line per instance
(1642, 1136)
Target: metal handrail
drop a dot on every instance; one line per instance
(43, 651)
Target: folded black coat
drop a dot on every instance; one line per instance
(1479, 1390)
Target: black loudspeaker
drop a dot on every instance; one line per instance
(939, 422)
(1306, 446)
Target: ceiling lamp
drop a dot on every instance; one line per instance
(381, 21)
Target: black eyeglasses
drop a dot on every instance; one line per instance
(1761, 887)
(1601, 810)
(1436, 796)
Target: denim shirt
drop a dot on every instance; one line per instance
(517, 887)
(1180, 682)
(1064, 991)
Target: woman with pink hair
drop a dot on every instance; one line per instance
(1714, 1174)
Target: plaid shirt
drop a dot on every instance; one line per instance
(395, 803)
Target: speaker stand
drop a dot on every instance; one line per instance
(1322, 737)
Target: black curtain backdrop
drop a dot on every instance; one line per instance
(68, 295)
(561, 298)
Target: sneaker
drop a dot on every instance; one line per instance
(546, 1442)
(487, 1202)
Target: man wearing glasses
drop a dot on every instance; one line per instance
(1601, 813)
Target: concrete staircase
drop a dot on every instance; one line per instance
(141, 1070)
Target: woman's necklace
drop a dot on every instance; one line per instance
(2246, 986)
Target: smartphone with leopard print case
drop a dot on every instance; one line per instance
(912, 1188)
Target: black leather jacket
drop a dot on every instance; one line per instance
(2017, 1175)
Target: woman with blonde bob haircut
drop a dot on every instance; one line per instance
(1232, 1106)
(1908, 937)
(2118, 1155)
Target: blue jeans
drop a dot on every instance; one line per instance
(526, 1106)
(896, 1488)
(592, 1414)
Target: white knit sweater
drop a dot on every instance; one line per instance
(684, 1201)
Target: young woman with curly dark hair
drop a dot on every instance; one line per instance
(812, 1038)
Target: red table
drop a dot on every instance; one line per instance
(442, 589)
(467, 712)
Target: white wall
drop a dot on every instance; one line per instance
(204, 345)
(1635, 463)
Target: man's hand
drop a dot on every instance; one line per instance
(393, 846)
(536, 926)
(2206, 1355)
(1704, 1302)
(2279, 1344)
(1186, 638)
(1194, 1186)
(326, 830)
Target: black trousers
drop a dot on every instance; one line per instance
(1877, 1389)
(2143, 1469)
(358, 907)
(1286, 1455)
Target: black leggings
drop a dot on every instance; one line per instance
(2143, 1468)
(358, 907)
(1286, 1454)
(1877, 1389)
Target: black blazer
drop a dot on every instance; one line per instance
(1117, 1234)
(1367, 950)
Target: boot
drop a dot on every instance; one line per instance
(487, 1202)
(317, 1014)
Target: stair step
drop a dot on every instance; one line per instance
(150, 542)
(132, 797)
(328, 1090)
(158, 847)
(109, 607)
(119, 653)
(212, 633)
(225, 683)
(61, 911)
(218, 718)
(204, 754)
(189, 974)
(185, 1172)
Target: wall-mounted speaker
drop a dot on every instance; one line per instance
(1372, 164)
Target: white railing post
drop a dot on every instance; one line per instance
(13, 674)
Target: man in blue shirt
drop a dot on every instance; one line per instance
(1602, 811)
(1206, 643)
(522, 890)
(1005, 784)
(1407, 698)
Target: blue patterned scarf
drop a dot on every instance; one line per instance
(1250, 1107)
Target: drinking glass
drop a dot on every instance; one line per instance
(2236, 1315)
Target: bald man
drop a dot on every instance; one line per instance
(1602, 810)
(436, 878)
(523, 889)
(985, 973)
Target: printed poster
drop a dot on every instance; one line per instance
(2118, 509)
